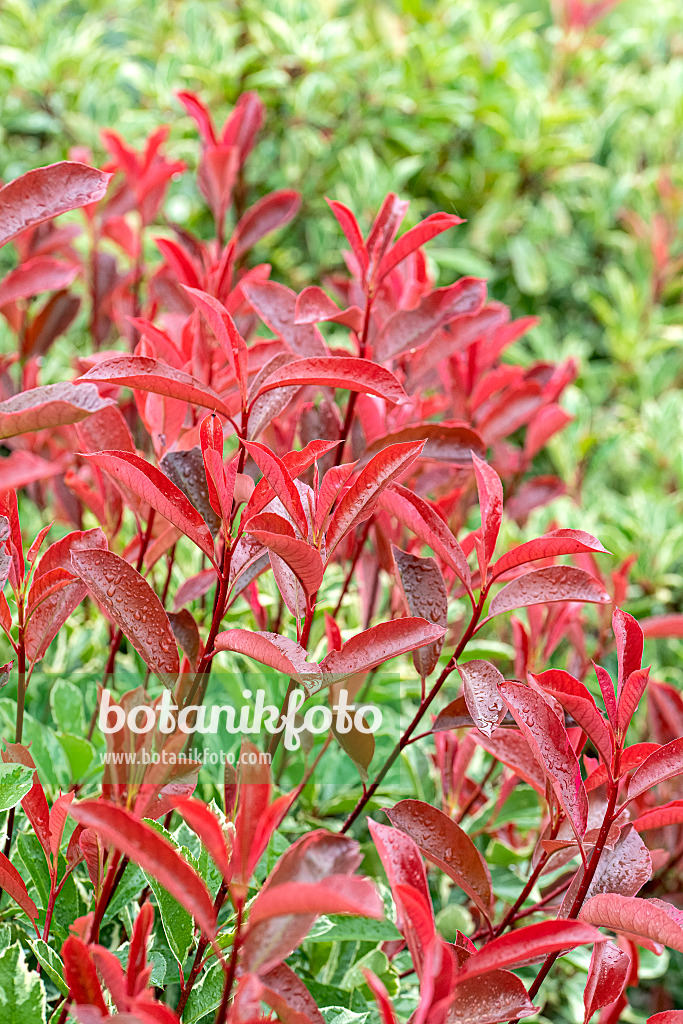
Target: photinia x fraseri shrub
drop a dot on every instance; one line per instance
(314, 484)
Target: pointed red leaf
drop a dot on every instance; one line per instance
(45, 193)
(337, 894)
(543, 586)
(274, 650)
(652, 919)
(558, 542)
(352, 232)
(384, 228)
(660, 817)
(278, 477)
(446, 845)
(206, 825)
(148, 374)
(551, 746)
(629, 638)
(276, 305)
(13, 884)
(451, 443)
(80, 975)
(346, 372)
(578, 701)
(415, 237)
(510, 747)
(490, 492)
(500, 997)
(632, 690)
(631, 758)
(131, 603)
(40, 274)
(53, 405)
(360, 500)
(314, 306)
(527, 943)
(667, 1017)
(121, 829)
(408, 329)
(376, 645)
(607, 974)
(426, 596)
(225, 331)
(268, 214)
(662, 764)
(662, 626)
(304, 560)
(295, 463)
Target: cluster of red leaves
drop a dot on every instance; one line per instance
(435, 422)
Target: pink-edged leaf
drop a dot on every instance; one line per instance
(658, 626)
(451, 443)
(482, 696)
(46, 192)
(336, 894)
(304, 560)
(53, 405)
(528, 943)
(53, 597)
(551, 746)
(510, 747)
(426, 596)
(607, 974)
(415, 237)
(133, 606)
(631, 692)
(543, 586)
(662, 764)
(157, 490)
(558, 542)
(376, 645)
(346, 372)
(147, 374)
(446, 845)
(422, 519)
(271, 649)
(651, 919)
(13, 884)
(629, 638)
(408, 329)
(268, 214)
(660, 817)
(278, 477)
(352, 232)
(501, 997)
(632, 757)
(578, 701)
(360, 500)
(40, 274)
(314, 306)
(206, 825)
(121, 829)
(490, 492)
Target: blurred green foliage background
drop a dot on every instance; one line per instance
(562, 150)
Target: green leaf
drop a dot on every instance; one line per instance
(340, 1015)
(339, 927)
(15, 782)
(329, 996)
(32, 856)
(51, 963)
(66, 702)
(22, 996)
(206, 995)
(80, 753)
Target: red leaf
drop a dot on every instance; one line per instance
(225, 331)
(660, 817)
(35, 802)
(205, 824)
(45, 193)
(274, 650)
(578, 701)
(662, 626)
(510, 747)
(490, 492)
(131, 603)
(13, 884)
(400, 858)
(414, 238)
(360, 500)
(543, 586)
(632, 690)
(21, 468)
(426, 596)
(120, 828)
(276, 305)
(629, 638)
(314, 306)
(295, 463)
(148, 374)
(268, 214)
(652, 919)
(607, 974)
(501, 997)
(285, 993)
(548, 421)
(352, 232)
(40, 274)
(53, 405)
(624, 870)
(386, 224)
(558, 542)
(662, 764)
(80, 975)
(667, 1017)
(528, 943)
(376, 645)
(484, 702)
(451, 443)
(200, 114)
(304, 560)
(337, 894)
(420, 517)
(631, 758)
(447, 846)
(607, 691)
(381, 996)
(345, 372)
(277, 475)
(551, 746)
(408, 329)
